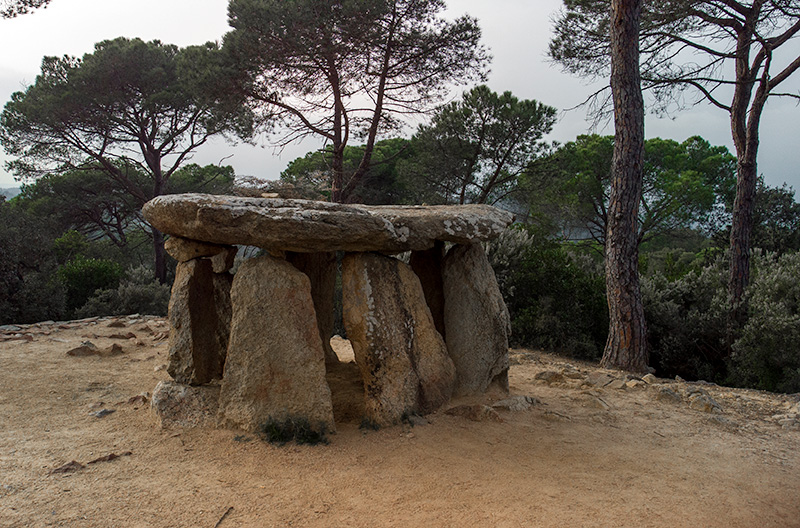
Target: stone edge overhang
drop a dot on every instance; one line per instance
(313, 226)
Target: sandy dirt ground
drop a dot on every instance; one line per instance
(585, 455)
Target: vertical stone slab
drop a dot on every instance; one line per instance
(402, 358)
(222, 305)
(427, 265)
(321, 271)
(223, 261)
(275, 369)
(476, 320)
(196, 337)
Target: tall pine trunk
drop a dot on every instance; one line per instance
(160, 256)
(626, 347)
(745, 121)
(741, 231)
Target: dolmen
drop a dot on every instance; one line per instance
(251, 348)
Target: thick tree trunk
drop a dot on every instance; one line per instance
(160, 255)
(741, 229)
(626, 347)
(746, 148)
(337, 180)
(377, 114)
(341, 132)
(745, 122)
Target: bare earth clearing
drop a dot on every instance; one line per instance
(586, 455)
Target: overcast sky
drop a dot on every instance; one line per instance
(516, 31)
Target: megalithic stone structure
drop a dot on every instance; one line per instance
(421, 332)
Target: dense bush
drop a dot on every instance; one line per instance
(34, 297)
(28, 291)
(686, 322)
(82, 276)
(138, 292)
(767, 355)
(556, 301)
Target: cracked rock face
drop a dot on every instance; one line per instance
(404, 365)
(476, 320)
(312, 226)
(275, 368)
(178, 405)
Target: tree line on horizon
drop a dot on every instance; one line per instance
(125, 119)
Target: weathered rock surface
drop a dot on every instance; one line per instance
(402, 358)
(477, 413)
(223, 310)
(704, 403)
(320, 268)
(179, 405)
(476, 320)
(634, 384)
(549, 376)
(311, 226)
(665, 394)
(223, 261)
(182, 249)
(617, 384)
(591, 400)
(275, 369)
(87, 348)
(599, 379)
(199, 311)
(517, 403)
(649, 379)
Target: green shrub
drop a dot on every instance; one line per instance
(686, 322)
(28, 289)
(767, 354)
(83, 276)
(297, 429)
(70, 245)
(555, 298)
(138, 292)
(36, 297)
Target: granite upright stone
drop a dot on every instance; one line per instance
(275, 369)
(320, 268)
(197, 329)
(402, 358)
(476, 320)
(427, 264)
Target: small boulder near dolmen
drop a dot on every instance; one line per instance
(309, 226)
(179, 405)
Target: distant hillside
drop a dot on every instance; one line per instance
(10, 192)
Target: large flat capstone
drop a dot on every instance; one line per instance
(312, 226)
